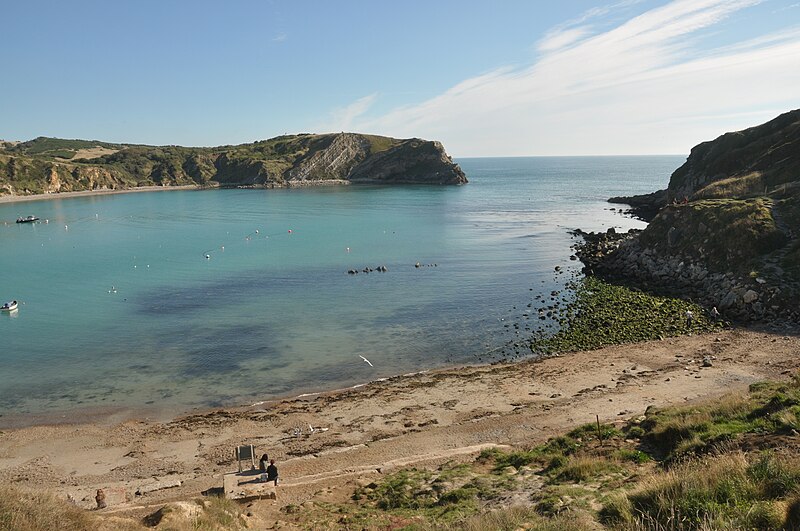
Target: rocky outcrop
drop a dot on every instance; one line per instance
(741, 164)
(411, 161)
(622, 257)
(725, 231)
(336, 160)
(644, 207)
(761, 160)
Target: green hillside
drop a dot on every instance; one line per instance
(51, 165)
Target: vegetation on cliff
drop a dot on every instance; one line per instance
(49, 165)
(733, 208)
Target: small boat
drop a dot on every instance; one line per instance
(9, 306)
(29, 219)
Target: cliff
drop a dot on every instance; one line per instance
(757, 161)
(49, 165)
(725, 231)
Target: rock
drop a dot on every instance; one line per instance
(158, 485)
(750, 296)
(729, 300)
(707, 361)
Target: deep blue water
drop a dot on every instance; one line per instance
(121, 309)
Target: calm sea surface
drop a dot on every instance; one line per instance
(157, 303)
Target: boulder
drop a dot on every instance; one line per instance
(750, 296)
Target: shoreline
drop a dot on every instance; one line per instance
(110, 415)
(87, 193)
(407, 420)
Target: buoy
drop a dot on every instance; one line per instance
(257, 231)
(208, 256)
(290, 231)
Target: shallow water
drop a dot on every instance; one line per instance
(120, 308)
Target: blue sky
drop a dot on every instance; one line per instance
(500, 78)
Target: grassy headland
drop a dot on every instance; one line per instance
(52, 165)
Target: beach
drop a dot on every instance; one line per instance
(87, 193)
(362, 433)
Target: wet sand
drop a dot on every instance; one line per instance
(413, 420)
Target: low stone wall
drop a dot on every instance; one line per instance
(741, 298)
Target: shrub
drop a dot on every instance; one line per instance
(580, 469)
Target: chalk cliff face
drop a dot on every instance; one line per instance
(47, 165)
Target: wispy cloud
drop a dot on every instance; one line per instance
(630, 88)
(342, 118)
(280, 37)
(561, 38)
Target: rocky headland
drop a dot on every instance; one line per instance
(50, 165)
(725, 231)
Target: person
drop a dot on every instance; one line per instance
(262, 463)
(272, 472)
(689, 318)
(714, 313)
(100, 498)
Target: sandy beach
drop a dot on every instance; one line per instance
(85, 193)
(359, 434)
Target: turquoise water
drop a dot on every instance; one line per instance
(122, 311)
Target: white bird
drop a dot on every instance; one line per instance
(365, 359)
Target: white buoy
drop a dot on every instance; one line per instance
(208, 256)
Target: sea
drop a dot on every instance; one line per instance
(155, 304)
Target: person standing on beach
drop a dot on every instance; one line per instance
(714, 313)
(689, 318)
(262, 463)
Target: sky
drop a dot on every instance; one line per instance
(486, 78)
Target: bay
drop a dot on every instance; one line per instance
(156, 303)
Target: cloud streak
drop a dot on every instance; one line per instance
(343, 118)
(631, 88)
